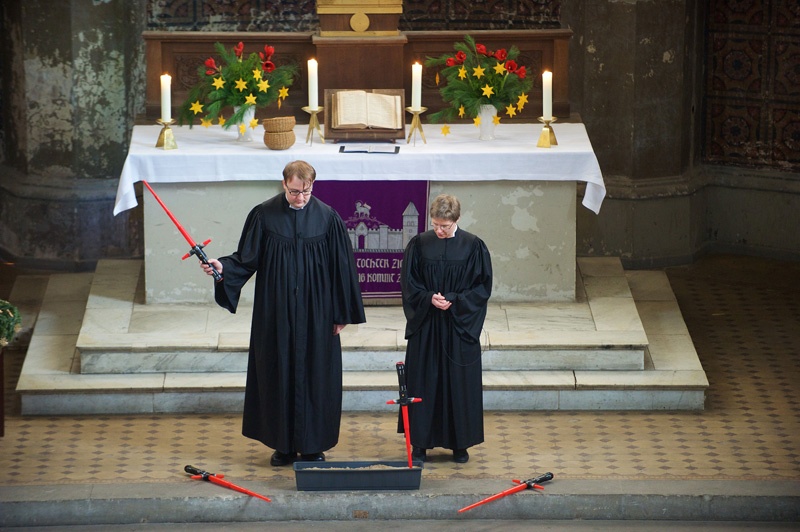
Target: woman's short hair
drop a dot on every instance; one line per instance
(446, 207)
(301, 170)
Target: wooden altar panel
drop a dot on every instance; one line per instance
(179, 53)
(362, 62)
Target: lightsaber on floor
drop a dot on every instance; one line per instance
(199, 474)
(520, 486)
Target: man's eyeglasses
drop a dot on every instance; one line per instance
(294, 193)
(444, 227)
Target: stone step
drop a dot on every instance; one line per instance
(190, 354)
(602, 504)
(622, 345)
(364, 391)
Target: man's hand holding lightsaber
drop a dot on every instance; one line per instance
(211, 267)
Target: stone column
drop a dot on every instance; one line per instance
(635, 80)
(72, 83)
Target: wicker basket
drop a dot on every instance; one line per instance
(279, 141)
(278, 124)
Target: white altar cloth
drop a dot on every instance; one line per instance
(214, 154)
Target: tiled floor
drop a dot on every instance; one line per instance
(742, 313)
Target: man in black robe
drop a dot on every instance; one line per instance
(306, 292)
(446, 282)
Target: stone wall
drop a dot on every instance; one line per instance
(666, 118)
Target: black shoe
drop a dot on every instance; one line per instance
(460, 456)
(313, 457)
(281, 459)
(419, 454)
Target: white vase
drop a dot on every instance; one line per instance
(249, 115)
(487, 125)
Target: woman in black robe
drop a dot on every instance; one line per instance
(306, 292)
(446, 282)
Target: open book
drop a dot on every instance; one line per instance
(356, 109)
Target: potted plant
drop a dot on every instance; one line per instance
(480, 82)
(238, 81)
(10, 322)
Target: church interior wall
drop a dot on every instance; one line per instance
(699, 151)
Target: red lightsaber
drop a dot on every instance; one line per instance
(197, 249)
(199, 474)
(521, 486)
(404, 401)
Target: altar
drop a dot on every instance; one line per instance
(520, 199)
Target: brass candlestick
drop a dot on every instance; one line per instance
(547, 138)
(313, 123)
(166, 139)
(416, 124)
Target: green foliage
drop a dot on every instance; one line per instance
(232, 68)
(464, 88)
(10, 322)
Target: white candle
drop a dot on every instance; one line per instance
(166, 105)
(547, 95)
(313, 101)
(416, 87)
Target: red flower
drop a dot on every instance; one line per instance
(501, 54)
(460, 57)
(267, 66)
(511, 65)
(480, 48)
(266, 55)
(238, 49)
(521, 72)
(451, 61)
(211, 66)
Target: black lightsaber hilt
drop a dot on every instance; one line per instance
(538, 480)
(198, 252)
(197, 472)
(401, 378)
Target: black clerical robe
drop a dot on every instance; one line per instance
(306, 282)
(443, 354)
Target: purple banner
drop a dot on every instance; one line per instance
(381, 218)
